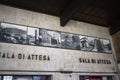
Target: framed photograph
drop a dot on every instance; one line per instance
(32, 36)
(106, 46)
(49, 38)
(95, 44)
(92, 46)
(70, 41)
(12, 33)
(99, 45)
(84, 45)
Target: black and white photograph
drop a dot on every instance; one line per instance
(70, 41)
(95, 44)
(99, 45)
(107, 46)
(32, 35)
(92, 46)
(12, 33)
(49, 38)
(84, 45)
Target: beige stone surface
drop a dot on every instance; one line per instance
(60, 59)
(29, 18)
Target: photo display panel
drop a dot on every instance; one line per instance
(32, 36)
(94, 44)
(84, 45)
(70, 41)
(49, 38)
(107, 46)
(19, 34)
(13, 33)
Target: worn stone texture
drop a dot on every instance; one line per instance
(29, 18)
(60, 59)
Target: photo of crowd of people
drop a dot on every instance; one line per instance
(12, 33)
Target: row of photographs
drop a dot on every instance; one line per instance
(18, 34)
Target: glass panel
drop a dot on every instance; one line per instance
(22, 78)
(7, 77)
(95, 78)
(109, 78)
(104, 78)
(41, 78)
(36, 78)
(90, 78)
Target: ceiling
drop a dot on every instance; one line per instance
(105, 13)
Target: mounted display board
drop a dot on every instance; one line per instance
(14, 57)
(116, 42)
(20, 34)
(49, 50)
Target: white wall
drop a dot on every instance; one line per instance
(60, 59)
